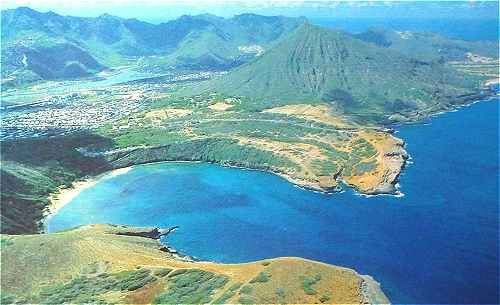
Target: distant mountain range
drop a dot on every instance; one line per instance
(427, 46)
(50, 46)
(377, 75)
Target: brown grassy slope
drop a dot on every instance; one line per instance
(34, 264)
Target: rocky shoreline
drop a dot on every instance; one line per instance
(156, 234)
(395, 161)
(458, 102)
(150, 155)
(121, 161)
(372, 292)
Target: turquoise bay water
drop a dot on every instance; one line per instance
(437, 244)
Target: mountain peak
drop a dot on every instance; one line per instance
(185, 17)
(317, 64)
(108, 16)
(248, 15)
(209, 16)
(253, 17)
(24, 10)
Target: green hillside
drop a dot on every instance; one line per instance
(365, 81)
(223, 43)
(32, 169)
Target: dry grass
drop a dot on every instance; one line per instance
(302, 154)
(167, 113)
(317, 113)
(32, 262)
(220, 106)
(387, 165)
(306, 156)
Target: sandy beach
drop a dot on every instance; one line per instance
(65, 195)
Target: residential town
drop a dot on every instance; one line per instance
(86, 109)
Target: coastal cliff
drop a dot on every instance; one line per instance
(383, 180)
(392, 160)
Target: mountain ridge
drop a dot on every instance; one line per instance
(112, 41)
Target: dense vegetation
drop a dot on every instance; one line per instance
(224, 151)
(33, 168)
(85, 289)
(89, 289)
(309, 282)
(228, 294)
(191, 286)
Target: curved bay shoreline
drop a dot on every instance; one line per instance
(65, 195)
(391, 186)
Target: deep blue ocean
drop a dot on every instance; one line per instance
(437, 244)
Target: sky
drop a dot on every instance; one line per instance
(163, 10)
